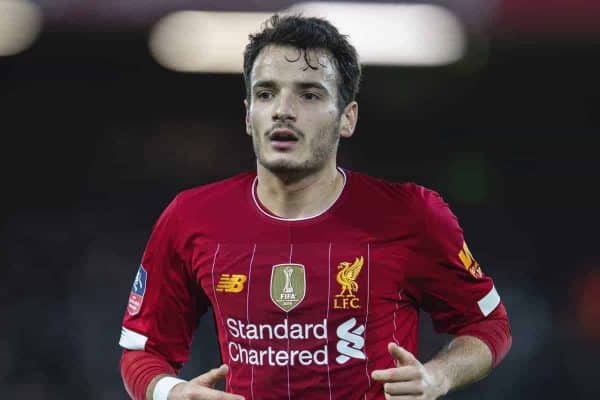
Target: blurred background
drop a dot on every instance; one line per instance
(109, 108)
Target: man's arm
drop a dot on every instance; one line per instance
(466, 359)
(199, 388)
(149, 377)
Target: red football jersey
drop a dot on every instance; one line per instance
(304, 308)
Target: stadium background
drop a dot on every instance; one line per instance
(97, 138)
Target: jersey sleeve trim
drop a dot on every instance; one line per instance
(489, 302)
(164, 386)
(132, 340)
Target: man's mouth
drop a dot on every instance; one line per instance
(283, 139)
(283, 135)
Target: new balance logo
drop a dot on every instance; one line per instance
(351, 341)
(231, 283)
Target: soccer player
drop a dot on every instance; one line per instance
(315, 273)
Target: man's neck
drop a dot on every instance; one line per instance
(302, 198)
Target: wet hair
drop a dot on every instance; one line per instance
(308, 33)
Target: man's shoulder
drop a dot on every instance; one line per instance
(402, 198)
(216, 192)
(397, 190)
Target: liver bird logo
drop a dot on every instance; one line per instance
(346, 277)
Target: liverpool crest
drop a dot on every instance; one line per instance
(288, 285)
(346, 277)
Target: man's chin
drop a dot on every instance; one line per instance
(282, 166)
(287, 168)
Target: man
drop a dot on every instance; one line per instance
(315, 274)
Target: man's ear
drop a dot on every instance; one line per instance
(248, 130)
(349, 119)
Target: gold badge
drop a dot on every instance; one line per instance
(288, 285)
(346, 277)
(469, 262)
(231, 283)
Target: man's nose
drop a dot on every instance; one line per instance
(285, 108)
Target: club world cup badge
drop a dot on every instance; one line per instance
(136, 297)
(288, 285)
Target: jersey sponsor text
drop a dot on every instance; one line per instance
(284, 330)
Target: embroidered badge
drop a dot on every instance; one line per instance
(288, 285)
(136, 297)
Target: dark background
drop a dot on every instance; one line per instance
(97, 138)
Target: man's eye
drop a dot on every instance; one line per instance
(264, 95)
(310, 96)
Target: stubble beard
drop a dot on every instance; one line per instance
(321, 149)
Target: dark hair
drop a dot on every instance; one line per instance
(308, 33)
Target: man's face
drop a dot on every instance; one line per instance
(293, 116)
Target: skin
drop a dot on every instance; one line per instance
(285, 92)
(303, 181)
(464, 360)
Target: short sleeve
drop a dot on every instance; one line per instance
(165, 303)
(446, 279)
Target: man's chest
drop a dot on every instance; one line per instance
(309, 305)
(305, 282)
